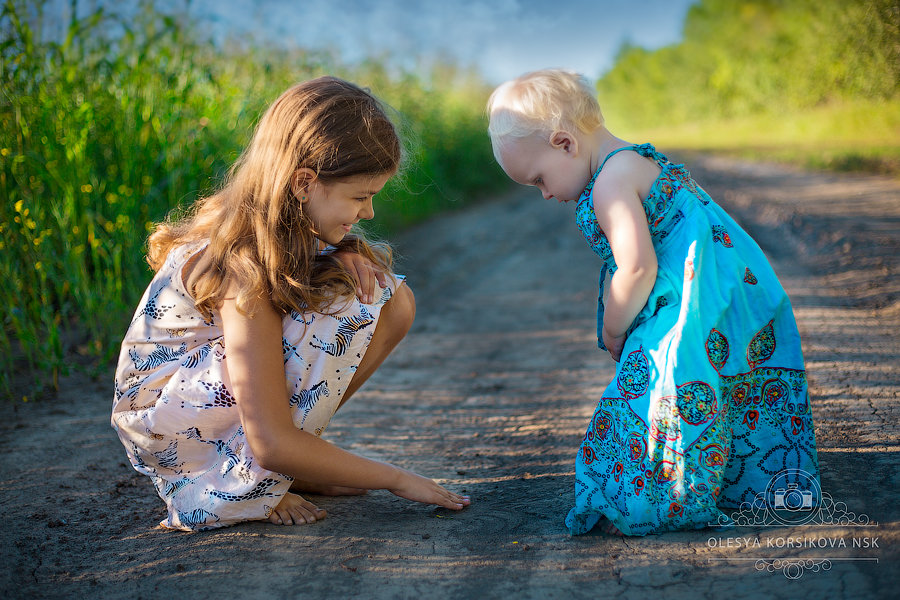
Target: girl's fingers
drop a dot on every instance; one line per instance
(360, 288)
(365, 283)
(454, 501)
(366, 275)
(425, 490)
(455, 504)
(370, 284)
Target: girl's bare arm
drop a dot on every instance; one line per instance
(620, 214)
(256, 377)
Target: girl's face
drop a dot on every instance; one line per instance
(553, 166)
(335, 207)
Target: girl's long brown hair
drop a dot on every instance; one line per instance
(260, 240)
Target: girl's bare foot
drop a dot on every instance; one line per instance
(325, 490)
(295, 510)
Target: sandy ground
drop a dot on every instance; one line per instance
(490, 394)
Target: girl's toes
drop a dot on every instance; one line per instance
(309, 514)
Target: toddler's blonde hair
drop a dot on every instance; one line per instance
(542, 102)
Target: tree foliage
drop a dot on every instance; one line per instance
(741, 57)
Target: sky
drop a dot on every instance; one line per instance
(501, 38)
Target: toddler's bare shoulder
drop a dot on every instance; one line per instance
(627, 172)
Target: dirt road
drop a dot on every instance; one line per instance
(490, 394)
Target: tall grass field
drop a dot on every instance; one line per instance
(104, 135)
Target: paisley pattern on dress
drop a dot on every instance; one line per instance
(716, 348)
(632, 379)
(179, 421)
(710, 398)
(762, 346)
(720, 234)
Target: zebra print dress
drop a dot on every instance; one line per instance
(180, 424)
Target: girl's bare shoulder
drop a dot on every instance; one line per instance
(626, 172)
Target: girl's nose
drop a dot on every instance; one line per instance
(368, 211)
(547, 195)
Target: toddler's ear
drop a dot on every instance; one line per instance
(300, 182)
(564, 140)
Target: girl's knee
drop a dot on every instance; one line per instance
(400, 311)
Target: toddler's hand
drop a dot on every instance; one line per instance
(364, 272)
(614, 344)
(421, 489)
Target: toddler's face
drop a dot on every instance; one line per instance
(557, 171)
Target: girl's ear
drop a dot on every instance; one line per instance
(301, 181)
(565, 141)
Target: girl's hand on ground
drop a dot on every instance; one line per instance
(296, 510)
(364, 272)
(421, 489)
(614, 344)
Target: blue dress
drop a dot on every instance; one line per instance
(709, 407)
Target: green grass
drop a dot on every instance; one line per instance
(102, 137)
(859, 136)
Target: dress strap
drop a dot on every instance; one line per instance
(614, 152)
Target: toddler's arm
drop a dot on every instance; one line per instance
(619, 213)
(256, 376)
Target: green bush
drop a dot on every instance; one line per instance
(746, 57)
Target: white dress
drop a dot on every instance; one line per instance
(179, 422)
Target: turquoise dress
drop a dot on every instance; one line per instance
(709, 407)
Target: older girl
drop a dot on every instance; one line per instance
(265, 315)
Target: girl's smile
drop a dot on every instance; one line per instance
(336, 207)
